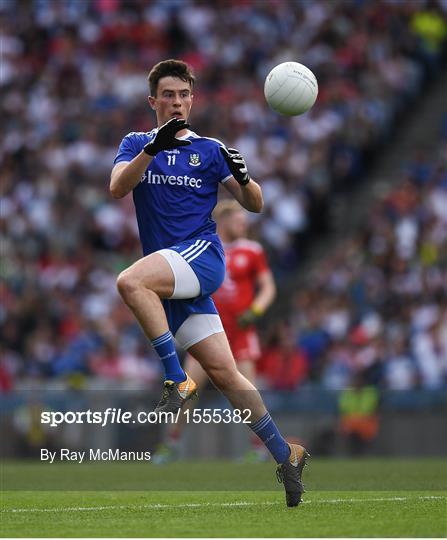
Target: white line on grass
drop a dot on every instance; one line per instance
(158, 506)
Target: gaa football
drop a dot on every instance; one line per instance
(291, 88)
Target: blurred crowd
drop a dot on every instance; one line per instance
(377, 307)
(73, 83)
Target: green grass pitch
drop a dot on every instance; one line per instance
(345, 498)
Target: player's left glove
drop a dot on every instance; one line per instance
(236, 164)
(250, 316)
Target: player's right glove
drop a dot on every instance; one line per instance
(165, 138)
(236, 164)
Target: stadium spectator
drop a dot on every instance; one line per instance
(283, 366)
(359, 422)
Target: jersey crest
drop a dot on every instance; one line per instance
(194, 160)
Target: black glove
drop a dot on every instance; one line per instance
(249, 317)
(165, 138)
(236, 164)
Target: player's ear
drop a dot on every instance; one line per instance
(151, 100)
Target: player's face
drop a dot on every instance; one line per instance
(173, 99)
(235, 226)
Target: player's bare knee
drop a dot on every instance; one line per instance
(127, 284)
(223, 377)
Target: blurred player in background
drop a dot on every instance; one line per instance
(245, 294)
(248, 288)
(174, 181)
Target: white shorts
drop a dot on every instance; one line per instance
(186, 283)
(197, 326)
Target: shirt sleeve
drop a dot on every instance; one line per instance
(130, 147)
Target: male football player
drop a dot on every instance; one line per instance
(174, 174)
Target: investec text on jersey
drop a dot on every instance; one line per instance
(183, 180)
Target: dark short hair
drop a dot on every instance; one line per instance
(170, 68)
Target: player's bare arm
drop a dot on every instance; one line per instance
(266, 292)
(245, 190)
(126, 175)
(248, 196)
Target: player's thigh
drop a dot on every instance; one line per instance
(195, 371)
(214, 353)
(152, 272)
(215, 356)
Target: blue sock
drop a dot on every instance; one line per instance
(165, 347)
(267, 431)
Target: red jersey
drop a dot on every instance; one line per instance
(245, 261)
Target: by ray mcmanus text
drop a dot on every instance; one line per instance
(92, 454)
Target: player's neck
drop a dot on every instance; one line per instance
(183, 134)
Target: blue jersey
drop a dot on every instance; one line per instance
(178, 192)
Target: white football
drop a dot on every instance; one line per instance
(291, 88)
